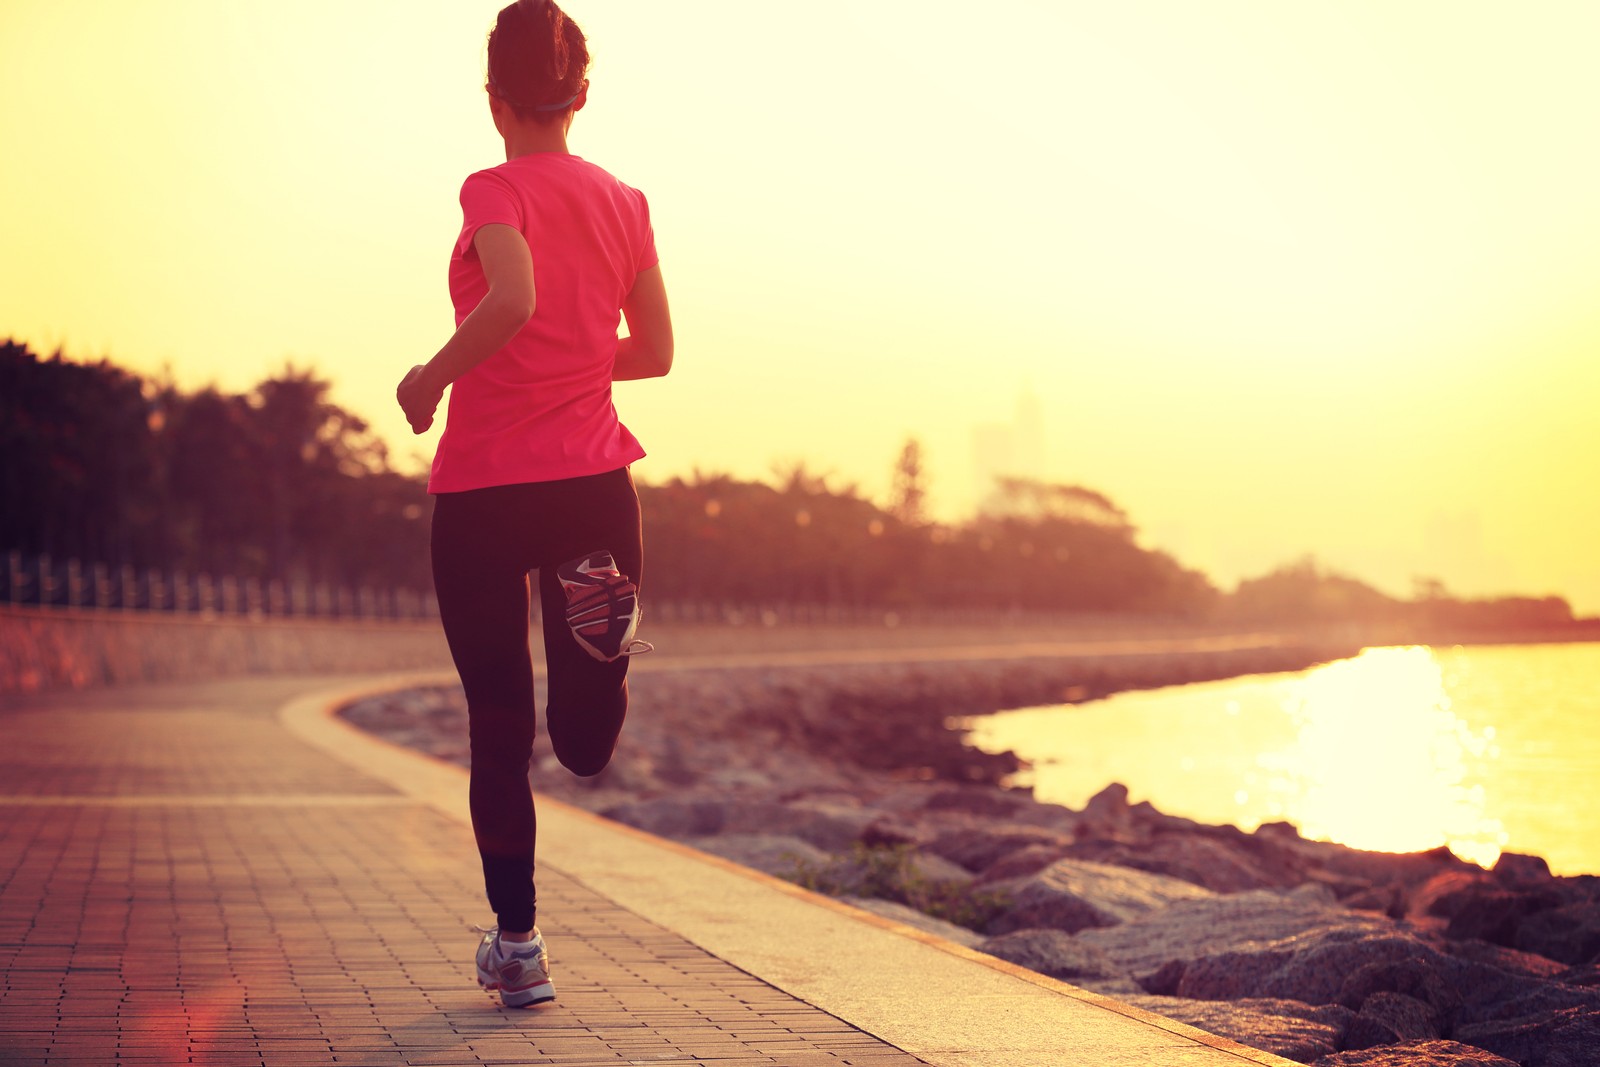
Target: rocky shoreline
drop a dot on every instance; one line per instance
(848, 779)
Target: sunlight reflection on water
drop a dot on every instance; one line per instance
(1399, 749)
(1380, 761)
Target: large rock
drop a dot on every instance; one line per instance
(1073, 895)
(1203, 859)
(831, 827)
(1349, 872)
(1508, 959)
(979, 847)
(1108, 817)
(900, 913)
(1418, 980)
(1054, 953)
(1437, 896)
(1284, 1027)
(1580, 976)
(1416, 1054)
(776, 854)
(1558, 918)
(1390, 1018)
(978, 800)
(1570, 933)
(931, 868)
(1489, 913)
(1566, 1038)
(1517, 868)
(1311, 967)
(1521, 999)
(673, 817)
(1029, 859)
(1526, 1019)
(1190, 929)
(892, 874)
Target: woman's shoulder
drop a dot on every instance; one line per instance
(533, 176)
(575, 168)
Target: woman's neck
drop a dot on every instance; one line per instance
(526, 138)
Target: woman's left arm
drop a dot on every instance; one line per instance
(504, 309)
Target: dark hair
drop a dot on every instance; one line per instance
(537, 59)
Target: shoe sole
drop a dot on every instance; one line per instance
(538, 993)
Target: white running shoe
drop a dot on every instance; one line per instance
(520, 970)
(602, 607)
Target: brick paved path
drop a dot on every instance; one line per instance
(181, 881)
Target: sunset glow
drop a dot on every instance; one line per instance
(1279, 278)
(1380, 761)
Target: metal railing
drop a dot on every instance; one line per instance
(41, 581)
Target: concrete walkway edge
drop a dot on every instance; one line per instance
(942, 1002)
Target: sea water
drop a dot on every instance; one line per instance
(1483, 748)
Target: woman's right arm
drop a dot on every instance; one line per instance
(647, 350)
(504, 310)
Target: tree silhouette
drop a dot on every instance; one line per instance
(280, 483)
(105, 466)
(80, 471)
(909, 494)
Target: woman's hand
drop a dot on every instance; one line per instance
(419, 398)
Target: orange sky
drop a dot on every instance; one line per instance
(1278, 278)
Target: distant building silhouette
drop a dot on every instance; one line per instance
(1009, 450)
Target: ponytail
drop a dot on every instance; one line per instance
(537, 59)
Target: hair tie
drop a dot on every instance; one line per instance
(568, 102)
(562, 106)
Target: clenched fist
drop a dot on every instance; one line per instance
(419, 398)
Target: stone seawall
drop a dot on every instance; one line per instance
(65, 649)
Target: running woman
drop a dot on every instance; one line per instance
(532, 471)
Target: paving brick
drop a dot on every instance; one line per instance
(181, 881)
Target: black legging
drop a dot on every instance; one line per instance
(485, 541)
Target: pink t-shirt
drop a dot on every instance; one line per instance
(540, 408)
